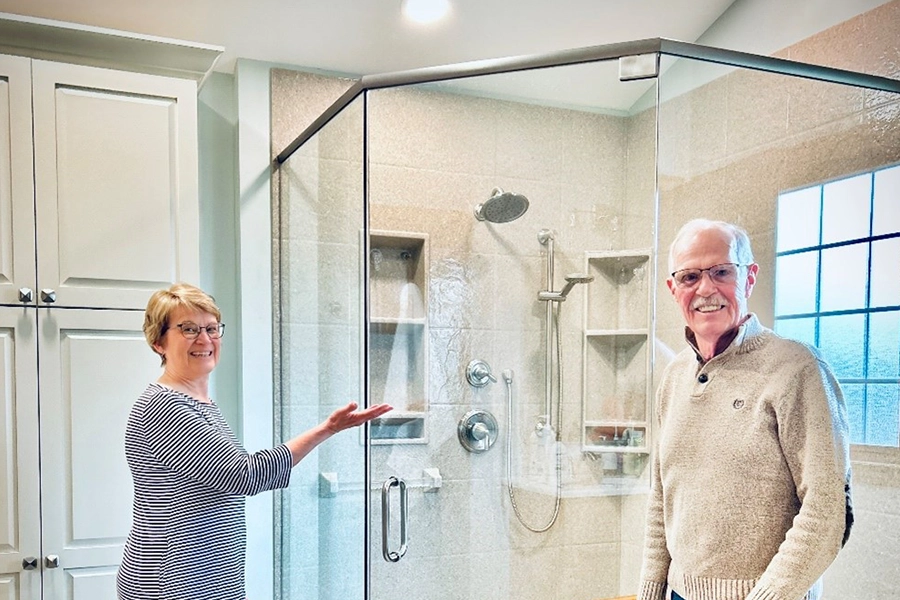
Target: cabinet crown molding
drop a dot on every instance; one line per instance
(99, 47)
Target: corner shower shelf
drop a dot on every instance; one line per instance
(616, 381)
(398, 335)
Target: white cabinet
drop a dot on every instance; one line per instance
(17, 263)
(20, 509)
(70, 493)
(98, 208)
(617, 358)
(110, 211)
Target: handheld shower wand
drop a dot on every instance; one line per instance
(572, 280)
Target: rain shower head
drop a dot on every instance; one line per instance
(502, 207)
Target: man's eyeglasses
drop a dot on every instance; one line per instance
(192, 330)
(726, 273)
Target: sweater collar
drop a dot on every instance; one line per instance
(748, 331)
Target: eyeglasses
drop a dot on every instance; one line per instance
(192, 330)
(725, 273)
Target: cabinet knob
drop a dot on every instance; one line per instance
(51, 561)
(26, 295)
(29, 563)
(48, 296)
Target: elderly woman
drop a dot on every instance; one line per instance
(190, 473)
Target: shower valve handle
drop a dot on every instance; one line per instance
(478, 373)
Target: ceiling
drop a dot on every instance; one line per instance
(361, 37)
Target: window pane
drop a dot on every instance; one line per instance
(795, 283)
(884, 345)
(842, 341)
(886, 272)
(798, 219)
(883, 414)
(844, 273)
(887, 201)
(802, 330)
(845, 209)
(854, 398)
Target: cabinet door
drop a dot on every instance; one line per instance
(115, 184)
(16, 179)
(94, 365)
(19, 460)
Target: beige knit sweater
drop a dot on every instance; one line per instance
(747, 499)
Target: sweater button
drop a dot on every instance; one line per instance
(703, 378)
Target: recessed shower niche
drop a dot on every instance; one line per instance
(398, 334)
(617, 372)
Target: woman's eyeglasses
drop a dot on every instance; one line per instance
(192, 330)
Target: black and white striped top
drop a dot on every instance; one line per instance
(188, 536)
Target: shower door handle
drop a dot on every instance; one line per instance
(388, 554)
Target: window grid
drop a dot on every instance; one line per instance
(864, 436)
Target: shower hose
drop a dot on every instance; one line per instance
(508, 378)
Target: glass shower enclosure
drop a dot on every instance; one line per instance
(484, 246)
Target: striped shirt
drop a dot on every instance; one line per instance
(188, 536)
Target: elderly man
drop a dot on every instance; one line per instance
(749, 497)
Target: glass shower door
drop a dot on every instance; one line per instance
(510, 342)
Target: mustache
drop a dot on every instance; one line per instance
(711, 301)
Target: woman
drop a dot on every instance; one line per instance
(190, 473)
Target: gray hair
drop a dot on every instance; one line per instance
(740, 241)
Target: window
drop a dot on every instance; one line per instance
(837, 287)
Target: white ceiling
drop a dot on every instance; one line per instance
(361, 37)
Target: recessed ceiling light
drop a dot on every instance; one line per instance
(425, 11)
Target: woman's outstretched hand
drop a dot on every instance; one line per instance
(349, 416)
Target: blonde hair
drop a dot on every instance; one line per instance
(164, 302)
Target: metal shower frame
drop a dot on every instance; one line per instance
(658, 46)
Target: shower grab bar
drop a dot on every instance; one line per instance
(389, 555)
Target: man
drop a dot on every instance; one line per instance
(749, 497)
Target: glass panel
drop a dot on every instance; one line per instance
(844, 274)
(855, 398)
(321, 517)
(883, 414)
(846, 208)
(884, 345)
(731, 143)
(795, 283)
(798, 219)
(577, 145)
(885, 273)
(842, 341)
(886, 218)
(802, 330)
